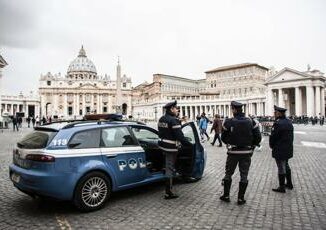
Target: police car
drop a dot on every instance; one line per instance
(86, 161)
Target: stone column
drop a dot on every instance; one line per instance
(298, 101)
(280, 98)
(269, 102)
(92, 103)
(188, 111)
(317, 100)
(322, 93)
(258, 113)
(77, 105)
(74, 109)
(100, 97)
(310, 100)
(84, 104)
(98, 104)
(65, 107)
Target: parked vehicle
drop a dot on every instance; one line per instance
(86, 161)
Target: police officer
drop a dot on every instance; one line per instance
(169, 131)
(281, 142)
(241, 134)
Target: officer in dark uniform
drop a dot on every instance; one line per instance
(171, 136)
(281, 143)
(241, 134)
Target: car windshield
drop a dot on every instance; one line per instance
(36, 140)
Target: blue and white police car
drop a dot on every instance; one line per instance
(86, 161)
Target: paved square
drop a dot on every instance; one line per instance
(199, 206)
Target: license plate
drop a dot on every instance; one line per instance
(15, 177)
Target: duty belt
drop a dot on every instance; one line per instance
(239, 151)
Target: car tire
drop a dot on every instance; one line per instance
(92, 191)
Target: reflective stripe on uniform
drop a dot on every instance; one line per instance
(176, 127)
(235, 146)
(169, 141)
(168, 150)
(240, 151)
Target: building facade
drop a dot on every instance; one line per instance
(82, 91)
(27, 104)
(256, 86)
(212, 95)
(302, 93)
(3, 63)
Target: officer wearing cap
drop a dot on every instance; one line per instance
(240, 134)
(169, 131)
(281, 143)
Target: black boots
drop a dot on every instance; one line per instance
(168, 190)
(242, 191)
(289, 184)
(281, 188)
(227, 186)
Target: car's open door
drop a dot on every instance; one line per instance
(191, 159)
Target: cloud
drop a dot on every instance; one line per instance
(19, 23)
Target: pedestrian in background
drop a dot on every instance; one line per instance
(19, 121)
(217, 127)
(241, 134)
(15, 123)
(281, 143)
(33, 121)
(37, 119)
(203, 126)
(28, 121)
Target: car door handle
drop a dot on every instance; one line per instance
(111, 156)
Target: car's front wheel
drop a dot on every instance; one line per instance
(92, 191)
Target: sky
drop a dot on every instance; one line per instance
(177, 37)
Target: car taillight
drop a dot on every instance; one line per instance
(40, 158)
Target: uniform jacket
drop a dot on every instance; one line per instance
(241, 134)
(281, 139)
(217, 126)
(169, 131)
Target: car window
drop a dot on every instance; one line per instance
(36, 140)
(144, 133)
(189, 134)
(117, 137)
(86, 139)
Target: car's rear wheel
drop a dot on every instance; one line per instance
(92, 191)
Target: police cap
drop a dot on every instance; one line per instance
(236, 104)
(280, 109)
(170, 105)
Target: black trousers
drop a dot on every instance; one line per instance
(217, 136)
(283, 166)
(244, 161)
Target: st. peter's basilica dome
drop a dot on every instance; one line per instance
(81, 64)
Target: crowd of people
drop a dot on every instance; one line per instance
(31, 121)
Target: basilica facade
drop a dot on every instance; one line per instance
(82, 91)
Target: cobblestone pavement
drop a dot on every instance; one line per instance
(199, 206)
